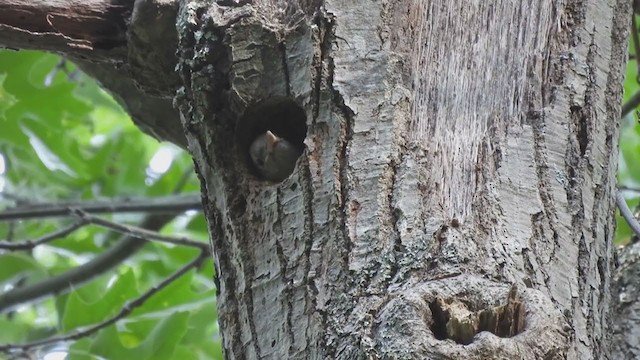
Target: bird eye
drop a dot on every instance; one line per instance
(260, 162)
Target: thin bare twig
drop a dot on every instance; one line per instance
(169, 204)
(627, 214)
(74, 277)
(126, 310)
(11, 231)
(111, 257)
(628, 188)
(184, 179)
(631, 104)
(30, 244)
(138, 232)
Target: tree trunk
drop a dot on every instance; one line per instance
(626, 291)
(455, 196)
(453, 149)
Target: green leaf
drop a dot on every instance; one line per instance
(67, 139)
(107, 345)
(162, 341)
(18, 331)
(91, 304)
(17, 263)
(177, 294)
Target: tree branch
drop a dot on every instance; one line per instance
(172, 204)
(140, 233)
(627, 214)
(61, 283)
(125, 247)
(631, 104)
(126, 310)
(129, 46)
(91, 28)
(30, 244)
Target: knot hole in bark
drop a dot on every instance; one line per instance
(453, 319)
(280, 115)
(458, 316)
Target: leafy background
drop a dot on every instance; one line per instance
(629, 159)
(63, 137)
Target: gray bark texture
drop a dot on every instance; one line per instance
(455, 196)
(626, 307)
(454, 149)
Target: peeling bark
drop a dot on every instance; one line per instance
(95, 28)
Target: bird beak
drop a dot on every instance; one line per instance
(272, 140)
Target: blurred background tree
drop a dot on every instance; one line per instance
(62, 138)
(629, 160)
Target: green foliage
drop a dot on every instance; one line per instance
(63, 138)
(629, 161)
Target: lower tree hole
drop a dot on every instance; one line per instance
(456, 320)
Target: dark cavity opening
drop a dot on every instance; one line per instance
(280, 115)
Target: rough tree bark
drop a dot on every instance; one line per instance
(625, 309)
(454, 149)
